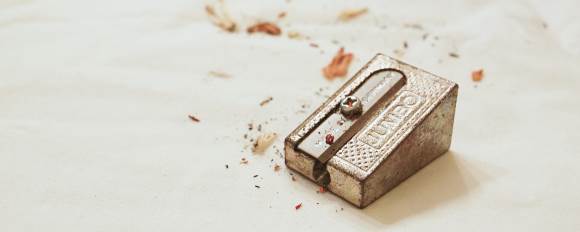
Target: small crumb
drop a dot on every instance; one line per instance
(338, 67)
(193, 118)
(255, 176)
(477, 75)
(276, 167)
(454, 55)
(298, 206)
(282, 15)
(424, 37)
(227, 166)
(263, 142)
(219, 74)
(243, 161)
(222, 19)
(265, 27)
(250, 126)
(314, 45)
(259, 127)
(295, 35)
(405, 44)
(293, 178)
(266, 101)
(257, 186)
(321, 190)
(329, 139)
(413, 26)
(350, 14)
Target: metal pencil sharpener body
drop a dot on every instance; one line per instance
(383, 125)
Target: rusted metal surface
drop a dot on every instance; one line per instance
(405, 121)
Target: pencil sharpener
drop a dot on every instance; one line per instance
(383, 125)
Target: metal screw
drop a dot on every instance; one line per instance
(351, 106)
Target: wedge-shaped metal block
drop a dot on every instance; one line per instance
(383, 125)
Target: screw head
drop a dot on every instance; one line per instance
(351, 106)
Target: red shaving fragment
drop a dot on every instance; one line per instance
(329, 139)
(321, 190)
(298, 206)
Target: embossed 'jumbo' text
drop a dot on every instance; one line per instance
(380, 130)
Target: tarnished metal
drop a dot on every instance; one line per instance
(405, 121)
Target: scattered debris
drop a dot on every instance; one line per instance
(454, 55)
(329, 139)
(227, 166)
(263, 142)
(266, 101)
(219, 74)
(250, 126)
(350, 14)
(193, 118)
(321, 190)
(255, 175)
(399, 52)
(295, 35)
(477, 75)
(276, 167)
(282, 15)
(221, 19)
(257, 186)
(265, 27)
(413, 26)
(298, 206)
(338, 67)
(244, 161)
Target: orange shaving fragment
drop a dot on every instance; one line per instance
(477, 75)
(265, 27)
(338, 67)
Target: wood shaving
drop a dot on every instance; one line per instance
(276, 167)
(221, 18)
(219, 74)
(263, 142)
(477, 75)
(282, 15)
(266, 101)
(338, 67)
(265, 27)
(193, 118)
(350, 14)
(295, 35)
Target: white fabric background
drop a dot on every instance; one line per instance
(94, 98)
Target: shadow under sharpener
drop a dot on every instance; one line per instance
(405, 122)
